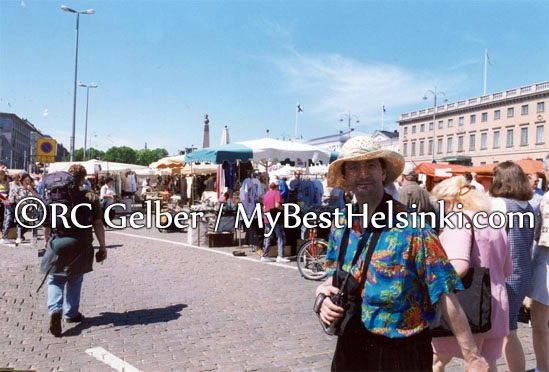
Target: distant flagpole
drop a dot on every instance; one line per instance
(298, 109)
(382, 117)
(486, 61)
(296, 116)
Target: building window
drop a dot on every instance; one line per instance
(473, 119)
(439, 146)
(431, 147)
(461, 120)
(482, 163)
(472, 142)
(449, 146)
(431, 126)
(540, 135)
(524, 110)
(509, 138)
(484, 117)
(497, 114)
(440, 124)
(421, 148)
(541, 106)
(405, 150)
(405, 130)
(510, 112)
(413, 129)
(483, 140)
(413, 149)
(460, 143)
(450, 123)
(523, 136)
(496, 139)
(422, 128)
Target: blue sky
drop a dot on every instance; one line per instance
(160, 65)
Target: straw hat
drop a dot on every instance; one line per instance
(364, 148)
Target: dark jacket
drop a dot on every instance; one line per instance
(412, 193)
(81, 261)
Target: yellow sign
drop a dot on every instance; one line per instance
(45, 150)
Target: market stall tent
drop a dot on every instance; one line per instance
(528, 165)
(93, 165)
(265, 150)
(177, 161)
(435, 172)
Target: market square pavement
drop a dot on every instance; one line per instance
(159, 304)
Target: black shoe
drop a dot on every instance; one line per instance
(55, 323)
(77, 319)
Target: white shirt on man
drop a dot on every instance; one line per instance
(106, 190)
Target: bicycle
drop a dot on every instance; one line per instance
(311, 257)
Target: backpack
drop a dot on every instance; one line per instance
(64, 188)
(67, 243)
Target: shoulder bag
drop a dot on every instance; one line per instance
(475, 299)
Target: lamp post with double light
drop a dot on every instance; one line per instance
(92, 85)
(435, 94)
(89, 11)
(349, 118)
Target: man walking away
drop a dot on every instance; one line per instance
(69, 255)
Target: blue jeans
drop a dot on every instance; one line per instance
(71, 301)
(9, 215)
(280, 236)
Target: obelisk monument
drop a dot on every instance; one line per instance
(206, 136)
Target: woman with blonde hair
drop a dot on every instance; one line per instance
(490, 250)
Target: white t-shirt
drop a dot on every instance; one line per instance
(106, 190)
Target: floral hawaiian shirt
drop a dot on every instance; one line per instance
(408, 273)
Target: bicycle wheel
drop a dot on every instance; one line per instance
(311, 259)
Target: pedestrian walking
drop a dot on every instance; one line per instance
(539, 289)
(490, 250)
(400, 275)
(512, 191)
(69, 255)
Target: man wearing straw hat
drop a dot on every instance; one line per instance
(405, 276)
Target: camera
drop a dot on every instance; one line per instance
(347, 297)
(334, 327)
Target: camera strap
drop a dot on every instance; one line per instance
(371, 248)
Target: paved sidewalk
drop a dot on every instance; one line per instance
(168, 307)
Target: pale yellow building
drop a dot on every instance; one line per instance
(508, 125)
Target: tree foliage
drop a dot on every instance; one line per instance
(123, 154)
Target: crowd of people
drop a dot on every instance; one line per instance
(403, 276)
(407, 274)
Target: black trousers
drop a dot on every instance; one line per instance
(360, 350)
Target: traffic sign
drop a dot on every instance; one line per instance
(45, 150)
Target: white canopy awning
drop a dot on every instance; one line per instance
(92, 165)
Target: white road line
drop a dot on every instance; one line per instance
(111, 360)
(285, 266)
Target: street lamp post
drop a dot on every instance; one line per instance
(89, 11)
(92, 85)
(349, 118)
(435, 93)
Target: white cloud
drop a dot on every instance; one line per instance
(331, 85)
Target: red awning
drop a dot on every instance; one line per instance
(529, 166)
(440, 171)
